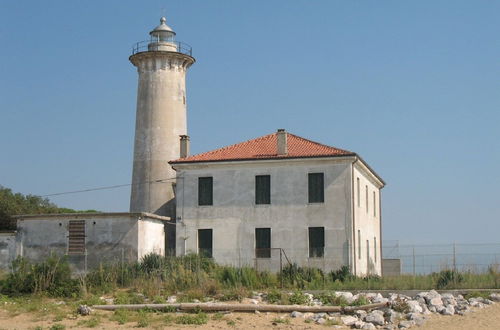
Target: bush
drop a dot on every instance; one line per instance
(52, 276)
(447, 277)
(298, 298)
(342, 274)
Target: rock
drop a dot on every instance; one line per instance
(488, 302)
(321, 321)
(254, 301)
(60, 303)
(347, 296)
(296, 314)
(392, 316)
(84, 310)
(448, 299)
(432, 309)
(172, 299)
(436, 301)
(406, 324)
(388, 327)
(349, 320)
(257, 297)
(495, 297)
(375, 318)
(308, 316)
(358, 324)
(257, 312)
(448, 310)
(417, 318)
(368, 326)
(360, 313)
(196, 301)
(414, 306)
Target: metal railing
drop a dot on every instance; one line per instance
(153, 45)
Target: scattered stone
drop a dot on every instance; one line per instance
(84, 310)
(368, 326)
(375, 317)
(60, 303)
(349, 320)
(406, 324)
(257, 312)
(449, 310)
(414, 306)
(495, 297)
(347, 296)
(358, 324)
(254, 301)
(308, 315)
(321, 321)
(296, 314)
(360, 313)
(172, 299)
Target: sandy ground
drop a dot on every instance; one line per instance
(487, 318)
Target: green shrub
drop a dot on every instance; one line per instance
(331, 299)
(298, 298)
(360, 301)
(447, 277)
(274, 297)
(198, 319)
(51, 276)
(342, 274)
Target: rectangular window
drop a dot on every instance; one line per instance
(263, 242)
(359, 192)
(368, 251)
(76, 237)
(316, 242)
(262, 189)
(374, 205)
(375, 248)
(316, 188)
(205, 243)
(205, 191)
(366, 190)
(359, 244)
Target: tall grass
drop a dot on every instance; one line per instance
(194, 277)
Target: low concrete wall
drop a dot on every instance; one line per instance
(109, 237)
(7, 249)
(391, 267)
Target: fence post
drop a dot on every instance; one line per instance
(454, 258)
(281, 268)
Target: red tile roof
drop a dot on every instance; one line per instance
(265, 147)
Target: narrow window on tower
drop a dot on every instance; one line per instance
(263, 242)
(316, 188)
(359, 192)
(205, 191)
(263, 189)
(316, 242)
(205, 241)
(366, 197)
(359, 244)
(375, 248)
(374, 204)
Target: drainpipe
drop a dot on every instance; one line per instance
(353, 216)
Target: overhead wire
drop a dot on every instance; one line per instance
(107, 187)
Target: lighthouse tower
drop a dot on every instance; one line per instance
(162, 65)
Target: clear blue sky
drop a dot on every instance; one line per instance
(412, 86)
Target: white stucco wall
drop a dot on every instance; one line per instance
(367, 221)
(7, 249)
(151, 237)
(110, 237)
(234, 215)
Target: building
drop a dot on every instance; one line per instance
(277, 197)
(280, 196)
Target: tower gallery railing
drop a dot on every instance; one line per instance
(153, 45)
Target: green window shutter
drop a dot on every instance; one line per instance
(316, 188)
(316, 242)
(205, 191)
(263, 242)
(263, 189)
(205, 240)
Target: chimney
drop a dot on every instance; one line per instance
(282, 142)
(184, 152)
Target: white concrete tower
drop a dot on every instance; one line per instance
(162, 64)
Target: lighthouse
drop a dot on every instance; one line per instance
(162, 64)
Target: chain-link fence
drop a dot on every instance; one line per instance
(428, 258)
